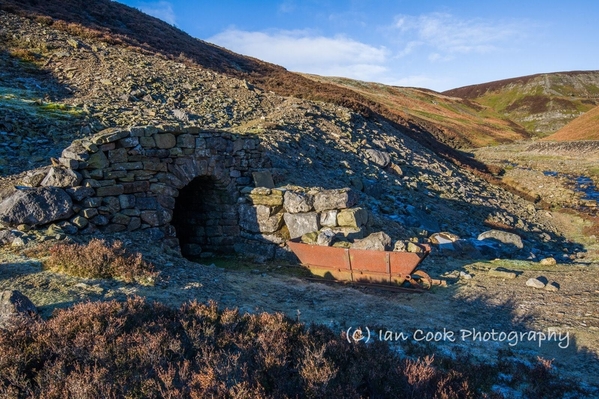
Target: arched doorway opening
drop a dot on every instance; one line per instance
(206, 217)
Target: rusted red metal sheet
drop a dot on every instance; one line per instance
(357, 264)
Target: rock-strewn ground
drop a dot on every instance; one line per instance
(476, 300)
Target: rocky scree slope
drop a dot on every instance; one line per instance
(116, 24)
(542, 103)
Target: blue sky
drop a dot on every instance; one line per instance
(438, 45)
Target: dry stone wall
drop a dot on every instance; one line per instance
(130, 179)
(187, 187)
(279, 214)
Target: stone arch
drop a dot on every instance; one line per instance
(147, 177)
(206, 217)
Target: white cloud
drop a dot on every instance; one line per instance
(160, 9)
(287, 6)
(445, 35)
(303, 51)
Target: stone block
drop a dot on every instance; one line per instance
(61, 177)
(147, 142)
(374, 242)
(36, 206)
(353, 217)
(113, 190)
(15, 308)
(269, 200)
(135, 187)
(100, 220)
(175, 152)
(79, 193)
(155, 166)
(134, 224)
(164, 189)
(156, 218)
(107, 147)
(129, 142)
(117, 155)
(511, 241)
(126, 201)
(109, 135)
(502, 273)
(145, 203)
(97, 161)
(200, 143)
(263, 179)
(334, 199)
(165, 140)
(259, 219)
(297, 202)
(69, 163)
(166, 201)
(91, 202)
(186, 141)
(115, 174)
(299, 224)
(131, 212)
(121, 218)
(79, 221)
(137, 131)
(128, 166)
(112, 203)
(329, 218)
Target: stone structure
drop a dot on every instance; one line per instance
(186, 186)
(162, 177)
(277, 215)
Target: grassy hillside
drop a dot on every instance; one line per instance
(585, 127)
(460, 122)
(541, 103)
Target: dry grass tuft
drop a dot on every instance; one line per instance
(99, 259)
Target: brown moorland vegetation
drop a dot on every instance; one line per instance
(460, 122)
(137, 349)
(541, 104)
(585, 127)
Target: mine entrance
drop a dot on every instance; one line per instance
(206, 218)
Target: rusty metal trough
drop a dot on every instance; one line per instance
(358, 265)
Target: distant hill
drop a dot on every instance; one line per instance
(542, 103)
(458, 122)
(585, 127)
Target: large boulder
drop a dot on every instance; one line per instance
(36, 206)
(375, 242)
(15, 306)
(503, 237)
(61, 177)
